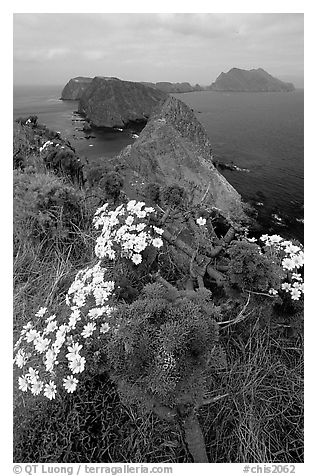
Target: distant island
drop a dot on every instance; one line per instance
(254, 80)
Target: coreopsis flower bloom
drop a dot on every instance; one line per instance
(36, 387)
(129, 220)
(73, 351)
(41, 312)
(273, 291)
(23, 383)
(50, 359)
(88, 329)
(51, 327)
(157, 242)
(298, 260)
(41, 344)
(70, 383)
(158, 230)
(104, 328)
(136, 258)
(201, 221)
(31, 335)
(288, 264)
(275, 239)
(50, 390)
(77, 365)
(286, 287)
(32, 375)
(20, 358)
(295, 294)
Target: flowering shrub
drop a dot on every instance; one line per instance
(51, 355)
(164, 345)
(291, 258)
(124, 232)
(272, 265)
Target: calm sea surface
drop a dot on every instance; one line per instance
(261, 133)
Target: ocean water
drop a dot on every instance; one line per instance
(260, 133)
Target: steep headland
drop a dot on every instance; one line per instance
(110, 102)
(75, 88)
(254, 80)
(174, 148)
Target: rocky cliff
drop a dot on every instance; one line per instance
(174, 148)
(75, 88)
(255, 80)
(110, 102)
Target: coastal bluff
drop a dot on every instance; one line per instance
(174, 148)
(254, 80)
(111, 102)
(75, 88)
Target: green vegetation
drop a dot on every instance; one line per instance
(191, 332)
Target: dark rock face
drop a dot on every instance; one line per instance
(75, 88)
(255, 80)
(110, 102)
(174, 148)
(174, 87)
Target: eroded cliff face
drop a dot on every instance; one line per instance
(110, 102)
(174, 148)
(254, 80)
(75, 88)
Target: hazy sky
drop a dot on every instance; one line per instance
(51, 48)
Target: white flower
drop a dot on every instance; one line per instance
(298, 260)
(23, 383)
(41, 344)
(20, 358)
(51, 326)
(295, 294)
(36, 387)
(50, 318)
(26, 327)
(251, 240)
(288, 263)
(297, 277)
(141, 214)
(275, 238)
(158, 230)
(70, 383)
(292, 249)
(50, 358)
(264, 237)
(140, 227)
(96, 312)
(157, 242)
(50, 390)
(32, 375)
(31, 335)
(273, 291)
(104, 328)
(201, 221)
(88, 329)
(136, 258)
(73, 351)
(77, 365)
(41, 312)
(286, 287)
(129, 220)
